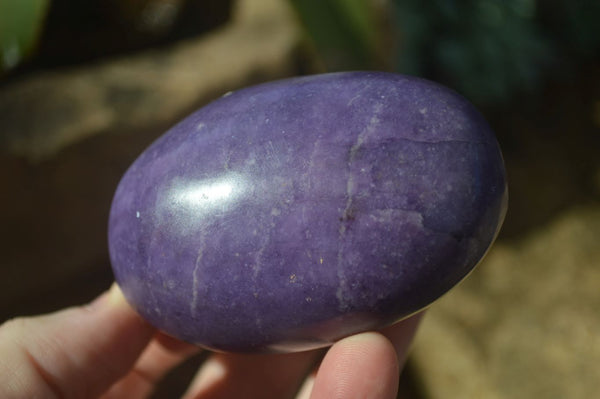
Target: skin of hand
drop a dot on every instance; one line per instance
(105, 350)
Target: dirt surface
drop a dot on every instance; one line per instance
(524, 324)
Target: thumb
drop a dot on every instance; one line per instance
(74, 353)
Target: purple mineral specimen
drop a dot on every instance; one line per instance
(285, 216)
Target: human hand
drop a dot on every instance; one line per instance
(106, 350)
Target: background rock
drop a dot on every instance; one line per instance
(46, 112)
(525, 324)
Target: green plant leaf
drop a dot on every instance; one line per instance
(20, 25)
(343, 32)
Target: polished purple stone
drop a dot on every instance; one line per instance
(286, 216)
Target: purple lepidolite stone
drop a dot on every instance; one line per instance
(285, 216)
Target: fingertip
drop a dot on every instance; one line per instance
(370, 339)
(363, 365)
(113, 304)
(113, 298)
(374, 347)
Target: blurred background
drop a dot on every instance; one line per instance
(85, 86)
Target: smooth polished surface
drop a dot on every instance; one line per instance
(285, 216)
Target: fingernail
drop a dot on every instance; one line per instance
(211, 373)
(115, 296)
(112, 297)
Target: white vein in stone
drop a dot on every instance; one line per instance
(195, 277)
(360, 139)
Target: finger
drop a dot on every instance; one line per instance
(251, 376)
(401, 335)
(360, 366)
(307, 386)
(162, 354)
(74, 353)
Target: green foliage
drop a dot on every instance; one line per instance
(573, 26)
(344, 32)
(486, 49)
(20, 25)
